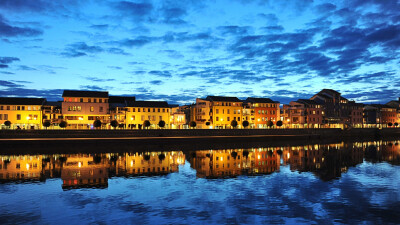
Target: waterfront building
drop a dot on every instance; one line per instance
(303, 113)
(223, 110)
(356, 114)
(335, 106)
(118, 109)
(81, 108)
(51, 112)
(379, 115)
(154, 111)
(258, 111)
(178, 117)
(23, 113)
(201, 113)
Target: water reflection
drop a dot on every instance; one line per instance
(327, 162)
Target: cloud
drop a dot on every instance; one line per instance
(173, 16)
(156, 82)
(93, 88)
(95, 79)
(135, 11)
(78, 49)
(7, 30)
(9, 84)
(160, 73)
(4, 61)
(99, 26)
(27, 68)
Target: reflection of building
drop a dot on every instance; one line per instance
(84, 171)
(23, 113)
(235, 162)
(153, 163)
(326, 161)
(20, 168)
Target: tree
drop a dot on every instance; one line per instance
(46, 124)
(279, 123)
(7, 123)
(234, 124)
(161, 156)
(114, 124)
(192, 124)
(208, 123)
(63, 124)
(161, 123)
(245, 123)
(146, 124)
(234, 154)
(390, 124)
(97, 124)
(270, 123)
(146, 157)
(396, 124)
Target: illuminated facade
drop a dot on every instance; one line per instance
(201, 113)
(23, 113)
(258, 111)
(154, 111)
(303, 113)
(224, 110)
(81, 108)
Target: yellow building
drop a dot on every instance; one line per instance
(154, 111)
(177, 117)
(81, 108)
(201, 113)
(23, 113)
(118, 109)
(224, 110)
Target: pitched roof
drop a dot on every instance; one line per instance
(222, 99)
(21, 101)
(308, 102)
(121, 99)
(158, 104)
(260, 100)
(96, 94)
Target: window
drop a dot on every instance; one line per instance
(29, 108)
(101, 109)
(217, 111)
(160, 118)
(5, 116)
(18, 116)
(148, 110)
(8, 107)
(154, 109)
(159, 110)
(163, 110)
(79, 108)
(1, 116)
(149, 118)
(238, 118)
(217, 118)
(228, 111)
(100, 100)
(91, 109)
(142, 117)
(229, 119)
(81, 100)
(18, 107)
(35, 117)
(138, 109)
(95, 100)
(23, 107)
(1, 107)
(89, 100)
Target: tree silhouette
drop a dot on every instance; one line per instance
(192, 124)
(234, 124)
(7, 123)
(97, 124)
(161, 123)
(63, 124)
(114, 124)
(46, 124)
(245, 123)
(146, 124)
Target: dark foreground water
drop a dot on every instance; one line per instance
(343, 183)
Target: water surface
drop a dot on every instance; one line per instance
(348, 183)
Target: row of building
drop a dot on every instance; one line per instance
(93, 170)
(326, 109)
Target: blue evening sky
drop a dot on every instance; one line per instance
(179, 50)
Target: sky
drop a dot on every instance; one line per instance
(178, 51)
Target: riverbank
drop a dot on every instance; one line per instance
(93, 141)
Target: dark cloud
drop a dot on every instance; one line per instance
(325, 8)
(173, 16)
(81, 49)
(9, 84)
(95, 79)
(27, 68)
(161, 73)
(137, 42)
(117, 51)
(136, 11)
(4, 61)
(18, 91)
(7, 30)
(234, 30)
(93, 88)
(99, 26)
(156, 82)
